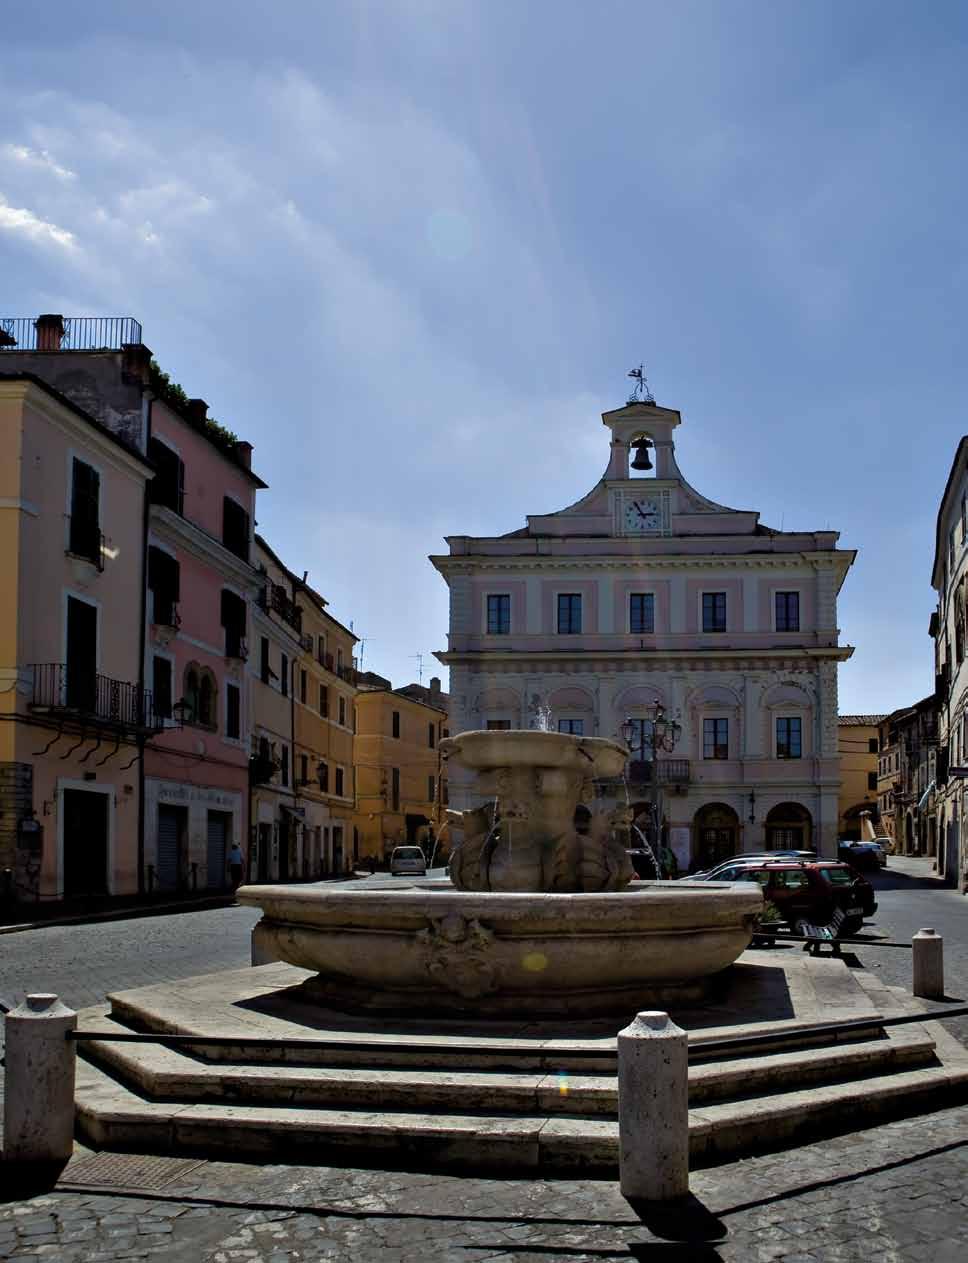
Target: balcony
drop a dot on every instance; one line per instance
(273, 597)
(78, 333)
(86, 541)
(93, 700)
(639, 774)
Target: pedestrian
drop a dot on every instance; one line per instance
(235, 865)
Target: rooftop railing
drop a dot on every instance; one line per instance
(74, 333)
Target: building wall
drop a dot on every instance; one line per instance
(858, 767)
(39, 438)
(383, 825)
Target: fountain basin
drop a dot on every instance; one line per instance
(433, 949)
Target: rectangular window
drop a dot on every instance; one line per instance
(285, 765)
(323, 773)
(788, 745)
(339, 782)
(324, 701)
(430, 789)
(431, 735)
(715, 739)
(498, 615)
(395, 788)
(321, 650)
(872, 780)
(233, 620)
(168, 485)
(872, 745)
(164, 585)
(85, 532)
(264, 668)
(235, 528)
(714, 611)
(569, 613)
(303, 686)
(161, 687)
(304, 769)
(284, 675)
(641, 612)
(395, 722)
(576, 727)
(233, 711)
(498, 725)
(342, 711)
(787, 605)
(82, 655)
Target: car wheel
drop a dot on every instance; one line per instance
(850, 925)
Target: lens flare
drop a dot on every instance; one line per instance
(535, 962)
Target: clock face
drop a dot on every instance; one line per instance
(642, 515)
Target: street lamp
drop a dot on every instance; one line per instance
(657, 732)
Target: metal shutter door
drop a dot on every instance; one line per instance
(216, 849)
(168, 830)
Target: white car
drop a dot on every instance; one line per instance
(408, 861)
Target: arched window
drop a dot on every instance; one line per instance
(192, 694)
(206, 701)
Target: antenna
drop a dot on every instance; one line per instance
(640, 391)
(420, 658)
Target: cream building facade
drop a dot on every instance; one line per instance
(643, 591)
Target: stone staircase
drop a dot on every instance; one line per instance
(486, 1099)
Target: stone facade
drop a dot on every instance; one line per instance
(645, 590)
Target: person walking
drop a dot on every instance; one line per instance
(236, 864)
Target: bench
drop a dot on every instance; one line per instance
(818, 935)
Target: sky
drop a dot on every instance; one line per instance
(410, 249)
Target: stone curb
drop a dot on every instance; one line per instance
(126, 914)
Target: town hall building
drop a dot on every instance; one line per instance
(645, 593)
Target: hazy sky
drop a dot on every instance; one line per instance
(410, 249)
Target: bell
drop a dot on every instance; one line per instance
(641, 460)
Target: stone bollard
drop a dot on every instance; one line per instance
(38, 1119)
(928, 953)
(653, 1109)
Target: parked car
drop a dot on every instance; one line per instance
(749, 857)
(809, 890)
(862, 854)
(408, 861)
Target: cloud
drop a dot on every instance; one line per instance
(38, 159)
(20, 220)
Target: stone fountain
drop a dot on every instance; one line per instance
(539, 917)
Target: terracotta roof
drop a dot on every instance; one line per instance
(859, 721)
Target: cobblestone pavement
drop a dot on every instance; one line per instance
(896, 1192)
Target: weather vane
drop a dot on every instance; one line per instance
(640, 391)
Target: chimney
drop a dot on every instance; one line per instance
(435, 686)
(243, 454)
(198, 411)
(50, 332)
(135, 363)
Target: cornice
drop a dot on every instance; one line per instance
(459, 565)
(204, 547)
(603, 662)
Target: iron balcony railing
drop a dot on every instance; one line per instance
(648, 772)
(76, 333)
(85, 540)
(91, 697)
(273, 597)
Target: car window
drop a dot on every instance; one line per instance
(837, 876)
(793, 880)
(725, 874)
(408, 853)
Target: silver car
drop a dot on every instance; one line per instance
(408, 861)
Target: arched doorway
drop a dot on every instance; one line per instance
(715, 834)
(789, 827)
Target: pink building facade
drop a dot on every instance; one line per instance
(646, 591)
(200, 586)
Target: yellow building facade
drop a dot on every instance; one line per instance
(857, 745)
(401, 786)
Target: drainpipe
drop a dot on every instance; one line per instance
(145, 519)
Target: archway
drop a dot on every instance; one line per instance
(715, 834)
(789, 827)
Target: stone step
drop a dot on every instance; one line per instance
(162, 1073)
(112, 1116)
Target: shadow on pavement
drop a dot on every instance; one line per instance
(894, 879)
(685, 1220)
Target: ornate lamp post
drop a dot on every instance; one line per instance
(655, 731)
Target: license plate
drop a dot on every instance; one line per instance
(854, 912)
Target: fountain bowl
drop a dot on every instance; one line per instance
(427, 948)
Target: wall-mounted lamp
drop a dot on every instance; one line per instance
(752, 806)
(180, 711)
